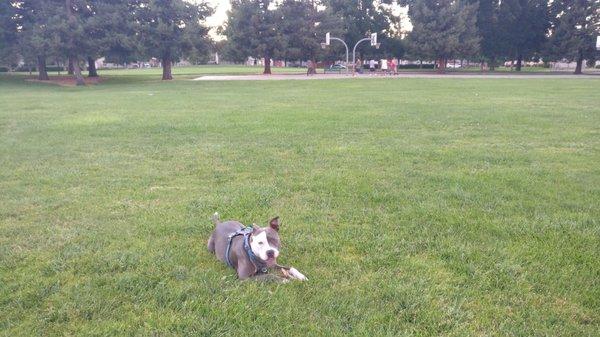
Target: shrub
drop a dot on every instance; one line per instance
(416, 66)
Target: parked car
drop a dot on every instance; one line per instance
(337, 66)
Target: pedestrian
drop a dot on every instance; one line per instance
(372, 65)
(384, 66)
(394, 67)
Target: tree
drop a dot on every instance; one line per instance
(170, 28)
(39, 34)
(9, 23)
(73, 37)
(361, 17)
(304, 24)
(253, 29)
(443, 29)
(109, 28)
(492, 30)
(525, 24)
(576, 23)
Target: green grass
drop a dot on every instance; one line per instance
(193, 71)
(417, 207)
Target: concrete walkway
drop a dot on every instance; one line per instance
(279, 77)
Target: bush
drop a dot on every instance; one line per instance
(48, 69)
(3, 69)
(416, 66)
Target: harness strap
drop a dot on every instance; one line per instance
(246, 232)
(241, 231)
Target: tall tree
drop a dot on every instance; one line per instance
(109, 28)
(362, 17)
(576, 23)
(170, 28)
(492, 30)
(304, 24)
(40, 32)
(9, 23)
(73, 38)
(253, 29)
(443, 29)
(525, 23)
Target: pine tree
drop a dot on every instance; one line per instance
(304, 24)
(576, 23)
(9, 24)
(170, 28)
(443, 29)
(40, 32)
(525, 24)
(253, 29)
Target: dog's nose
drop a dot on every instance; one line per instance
(270, 253)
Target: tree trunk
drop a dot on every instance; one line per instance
(267, 70)
(519, 62)
(77, 72)
(92, 72)
(42, 72)
(579, 66)
(441, 65)
(167, 74)
(492, 64)
(70, 66)
(313, 66)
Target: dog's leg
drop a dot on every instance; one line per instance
(211, 243)
(269, 278)
(294, 273)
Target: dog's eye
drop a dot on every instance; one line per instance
(261, 243)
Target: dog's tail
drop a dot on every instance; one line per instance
(215, 218)
(211, 241)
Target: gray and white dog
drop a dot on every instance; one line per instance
(250, 251)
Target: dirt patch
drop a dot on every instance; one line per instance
(67, 81)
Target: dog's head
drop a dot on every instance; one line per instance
(265, 242)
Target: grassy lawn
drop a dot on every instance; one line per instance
(417, 207)
(191, 72)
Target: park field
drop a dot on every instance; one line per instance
(415, 206)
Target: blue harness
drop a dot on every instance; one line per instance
(246, 232)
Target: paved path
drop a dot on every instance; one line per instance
(400, 75)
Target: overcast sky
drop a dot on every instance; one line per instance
(222, 6)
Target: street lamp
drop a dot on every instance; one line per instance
(327, 42)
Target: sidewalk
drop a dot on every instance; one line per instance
(278, 77)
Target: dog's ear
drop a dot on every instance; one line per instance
(274, 223)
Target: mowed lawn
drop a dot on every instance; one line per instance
(416, 207)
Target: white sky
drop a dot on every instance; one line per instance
(222, 6)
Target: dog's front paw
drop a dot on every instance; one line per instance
(294, 273)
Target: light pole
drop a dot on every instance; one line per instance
(328, 38)
(374, 43)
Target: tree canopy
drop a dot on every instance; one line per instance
(443, 29)
(35, 32)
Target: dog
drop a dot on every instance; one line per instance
(251, 251)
